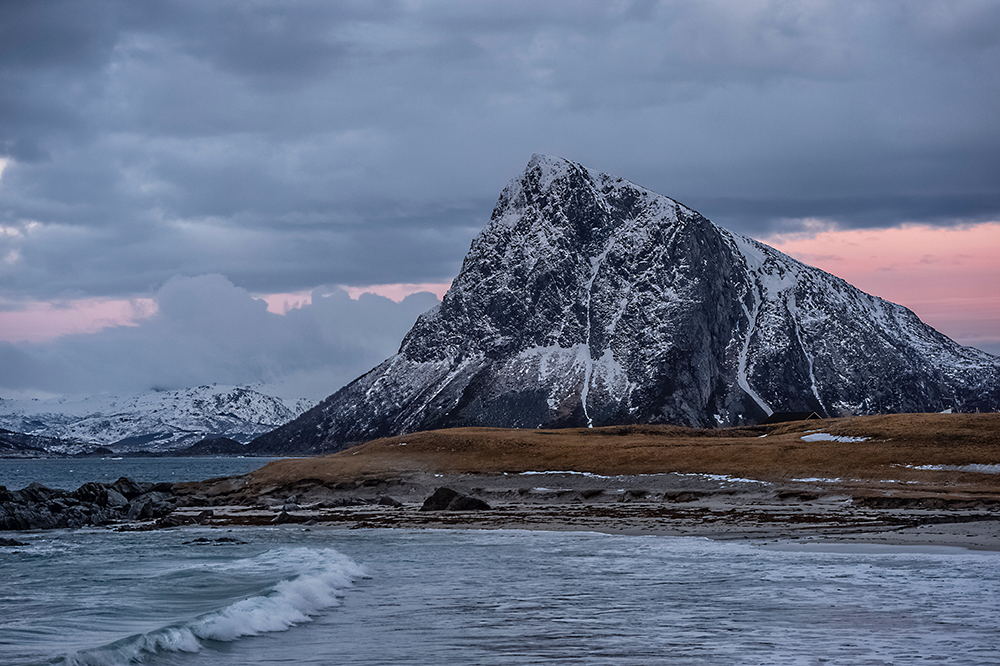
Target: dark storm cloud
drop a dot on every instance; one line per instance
(290, 144)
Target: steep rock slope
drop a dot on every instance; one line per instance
(588, 300)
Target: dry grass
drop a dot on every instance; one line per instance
(894, 442)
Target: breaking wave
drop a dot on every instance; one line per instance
(289, 602)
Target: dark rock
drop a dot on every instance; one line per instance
(219, 540)
(37, 493)
(101, 495)
(799, 495)
(173, 520)
(446, 499)
(683, 496)
(439, 500)
(11, 542)
(468, 503)
(282, 517)
(149, 506)
(589, 300)
(128, 488)
(385, 500)
(38, 507)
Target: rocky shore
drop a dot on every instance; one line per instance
(665, 504)
(924, 480)
(39, 507)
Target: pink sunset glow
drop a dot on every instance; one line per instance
(282, 303)
(950, 277)
(40, 321)
(398, 292)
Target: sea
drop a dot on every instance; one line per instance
(294, 594)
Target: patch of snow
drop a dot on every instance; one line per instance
(723, 477)
(827, 437)
(741, 368)
(587, 474)
(982, 469)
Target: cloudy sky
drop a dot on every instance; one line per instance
(193, 191)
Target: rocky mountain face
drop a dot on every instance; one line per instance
(591, 301)
(150, 421)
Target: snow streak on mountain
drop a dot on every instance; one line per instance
(589, 300)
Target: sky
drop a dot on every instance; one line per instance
(272, 192)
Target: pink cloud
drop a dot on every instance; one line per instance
(282, 303)
(40, 321)
(397, 292)
(949, 277)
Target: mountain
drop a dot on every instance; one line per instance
(150, 421)
(589, 300)
(19, 445)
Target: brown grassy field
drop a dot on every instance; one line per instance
(894, 444)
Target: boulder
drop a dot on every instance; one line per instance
(446, 499)
(439, 500)
(128, 488)
(150, 505)
(100, 495)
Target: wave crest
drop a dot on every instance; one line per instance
(287, 603)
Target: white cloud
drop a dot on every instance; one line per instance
(206, 330)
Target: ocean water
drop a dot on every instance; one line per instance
(291, 595)
(71, 473)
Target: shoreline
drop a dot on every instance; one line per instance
(909, 479)
(663, 504)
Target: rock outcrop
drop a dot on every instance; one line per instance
(448, 499)
(589, 300)
(39, 507)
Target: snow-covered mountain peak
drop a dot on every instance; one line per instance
(589, 300)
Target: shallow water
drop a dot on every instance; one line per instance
(474, 597)
(71, 473)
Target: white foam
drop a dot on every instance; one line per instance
(289, 602)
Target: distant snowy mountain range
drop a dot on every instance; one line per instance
(150, 421)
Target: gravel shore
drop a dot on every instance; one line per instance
(699, 505)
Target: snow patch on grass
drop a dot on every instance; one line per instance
(827, 437)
